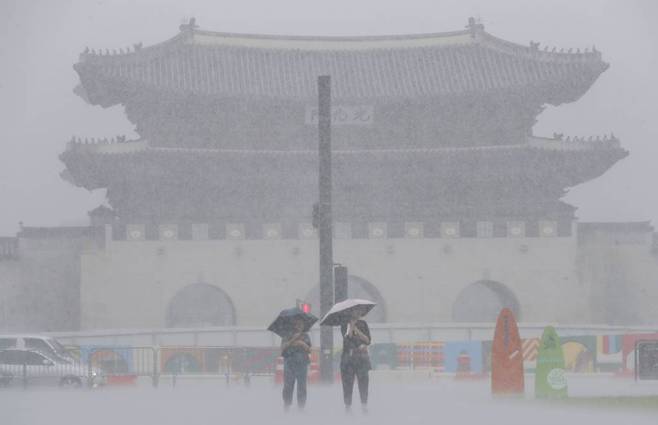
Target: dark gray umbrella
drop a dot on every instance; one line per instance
(283, 324)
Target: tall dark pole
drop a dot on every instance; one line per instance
(340, 283)
(324, 226)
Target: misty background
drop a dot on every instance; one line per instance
(40, 40)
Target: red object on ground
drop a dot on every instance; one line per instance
(463, 365)
(506, 357)
(314, 373)
(122, 380)
(278, 371)
(314, 368)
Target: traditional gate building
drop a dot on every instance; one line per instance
(446, 206)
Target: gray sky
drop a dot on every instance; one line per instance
(40, 41)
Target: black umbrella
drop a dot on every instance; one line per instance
(283, 324)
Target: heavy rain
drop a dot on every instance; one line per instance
(328, 212)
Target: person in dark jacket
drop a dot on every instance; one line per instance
(355, 362)
(295, 349)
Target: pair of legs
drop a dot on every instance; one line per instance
(294, 372)
(349, 371)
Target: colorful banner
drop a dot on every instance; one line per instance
(112, 360)
(579, 353)
(454, 354)
(609, 352)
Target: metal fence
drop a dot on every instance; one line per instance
(124, 357)
(397, 333)
(94, 366)
(228, 363)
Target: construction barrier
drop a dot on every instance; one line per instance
(314, 367)
(463, 366)
(124, 365)
(278, 374)
(384, 356)
(425, 354)
(313, 375)
(455, 354)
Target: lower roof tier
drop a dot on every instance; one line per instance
(406, 184)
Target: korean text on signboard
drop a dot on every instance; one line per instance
(342, 115)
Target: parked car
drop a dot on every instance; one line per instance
(44, 344)
(41, 369)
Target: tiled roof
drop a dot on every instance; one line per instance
(556, 162)
(122, 146)
(412, 66)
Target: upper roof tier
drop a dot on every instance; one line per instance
(395, 67)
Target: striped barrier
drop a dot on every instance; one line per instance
(278, 371)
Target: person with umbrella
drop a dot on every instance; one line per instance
(354, 361)
(293, 326)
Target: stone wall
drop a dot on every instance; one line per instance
(620, 263)
(10, 312)
(41, 286)
(132, 282)
(69, 279)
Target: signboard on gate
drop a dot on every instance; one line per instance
(646, 360)
(342, 115)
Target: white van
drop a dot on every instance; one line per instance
(45, 344)
(32, 367)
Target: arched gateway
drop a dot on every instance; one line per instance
(482, 301)
(198, 305)
(224, 122)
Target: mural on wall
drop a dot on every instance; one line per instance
(579, 353)
(608, 350)
(113, 360)
(453, 352)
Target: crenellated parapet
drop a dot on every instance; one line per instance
(467, 228)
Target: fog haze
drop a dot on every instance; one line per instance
(41, 40)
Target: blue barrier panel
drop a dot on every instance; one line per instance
(452, 350)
